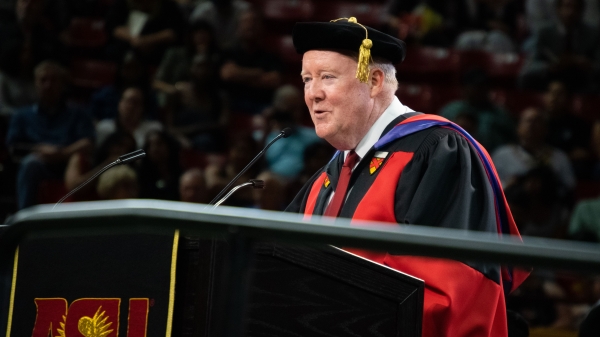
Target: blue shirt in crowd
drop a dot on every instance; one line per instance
(30, 125)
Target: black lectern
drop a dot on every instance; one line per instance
(153, 268)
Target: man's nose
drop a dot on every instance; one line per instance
(314, 91)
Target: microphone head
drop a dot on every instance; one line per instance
(131, 156)
(257, 183)
(286, 132)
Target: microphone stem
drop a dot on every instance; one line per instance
(230, 193)
(114, 163)
(260, 154)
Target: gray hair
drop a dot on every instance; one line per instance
(388, 69)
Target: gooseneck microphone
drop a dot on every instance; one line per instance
(283, 134)
(254, 182)
(126, 158)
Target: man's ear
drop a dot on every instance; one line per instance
(377, 81)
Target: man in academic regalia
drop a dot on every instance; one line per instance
(402, 167)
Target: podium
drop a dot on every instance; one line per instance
(155, 268)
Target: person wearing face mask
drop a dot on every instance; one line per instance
(397, 167)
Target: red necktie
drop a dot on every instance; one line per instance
(342, 186)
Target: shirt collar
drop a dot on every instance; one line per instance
(392, 112)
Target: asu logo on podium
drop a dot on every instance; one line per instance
(88, 317)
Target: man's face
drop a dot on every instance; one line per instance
(49, 84)
(339, 104)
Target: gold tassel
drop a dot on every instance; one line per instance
(364, 56)
(364, 53)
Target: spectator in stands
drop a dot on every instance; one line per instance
(492, 28)
(192, 187)
(566, 131)
(160, 170)
(83, 165)
(285, 157)
(315, 156)
(200, 113)
(585, 221)
(468, 122)
(568, 51)
(542, 13)
(431, 22)
(132, 72)
(590, 327)
(532, 151)
(146, 27)
(130, 118)
(48, 132)
(270, 197)
(223, 16)
(537, 202)
(596, 150)
(219, 174)
(495, 127)
(439, 22)
(250, 73)
(118, 183)
(28, 38)
(175, 66)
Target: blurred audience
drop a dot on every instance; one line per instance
(542, 13)
(46, 133)
(199, 113)
(219, 174)
(495, 126)
(130, 118)
(585, 221)
(146, 27)
(596, 150)
(590, 326)
(492, 27)
(28, 37)
(314, 158)
(488, 25)
(531, 151)
(270, 197)
(249, 72)
(192, 187)
(159, 171)
(285, 157)
(132, 72)
(118, 183)
(223, 16)
(85, 164)
(177, 62)
(566, 131)
(538, 203)
(567, 51)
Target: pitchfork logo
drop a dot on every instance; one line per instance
(88, 317)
